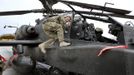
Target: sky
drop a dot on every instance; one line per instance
(6, 5)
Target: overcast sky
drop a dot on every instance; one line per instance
(6, 5)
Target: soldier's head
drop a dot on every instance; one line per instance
(67, 18)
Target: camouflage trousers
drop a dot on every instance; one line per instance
(54, 31)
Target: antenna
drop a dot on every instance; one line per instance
(106, 4)
(9, 26)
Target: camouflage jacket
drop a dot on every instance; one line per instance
(57, 19)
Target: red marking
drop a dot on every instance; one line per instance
(2, 59)
(14, 51)
(111, 47)
(13, 57)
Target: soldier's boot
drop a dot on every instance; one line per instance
(45, 45)
(42, 48)
(63, 44)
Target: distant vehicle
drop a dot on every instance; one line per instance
(5, 51)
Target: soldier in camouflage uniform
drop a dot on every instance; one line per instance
(53, 28)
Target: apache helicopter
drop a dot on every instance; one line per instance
(86, 54)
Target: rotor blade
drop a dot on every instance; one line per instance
(97, 18)
(101, 14)
(122, 16)
(96, 13)
(20, 12)
(47, 4)
(105, 14)
(97, 7)
(13, 12)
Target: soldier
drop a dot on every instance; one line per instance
(53, 28)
